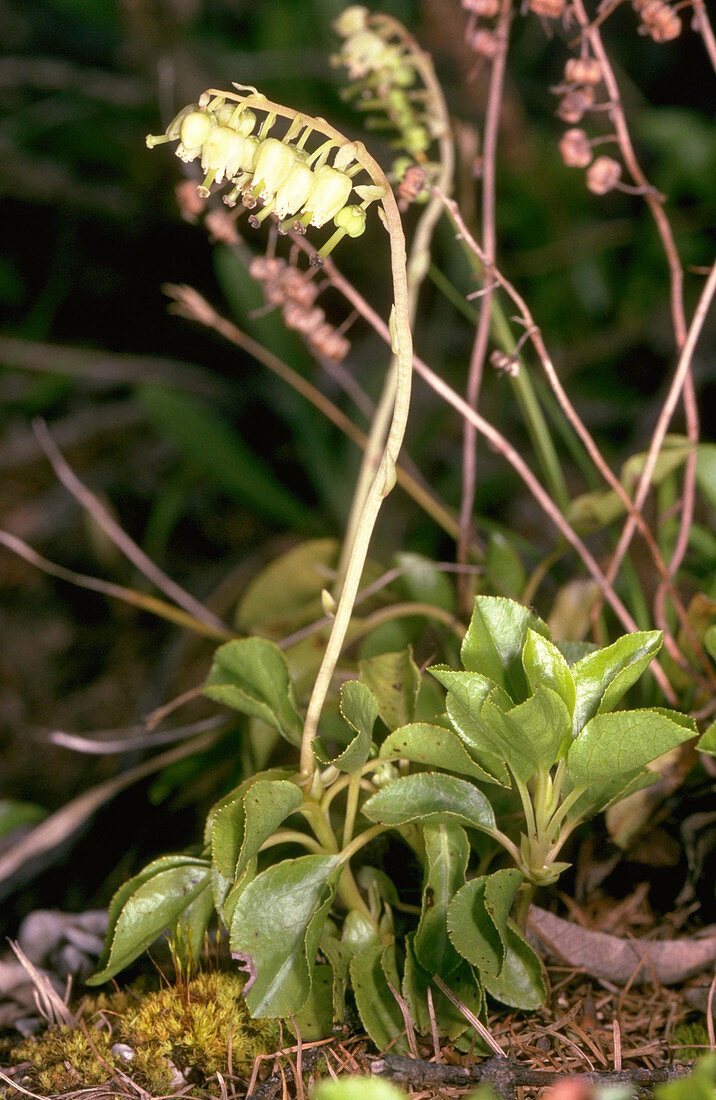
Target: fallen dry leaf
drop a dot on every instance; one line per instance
(618, 960)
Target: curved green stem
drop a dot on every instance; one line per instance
(417, 267)
(293, 836)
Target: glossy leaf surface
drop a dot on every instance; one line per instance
(276, 928)
(251, 675)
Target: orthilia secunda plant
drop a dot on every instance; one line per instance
(275, 176)
(233, 135)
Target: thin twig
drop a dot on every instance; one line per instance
(654, 202)
(119, 537)
(133, 739)
(142, 600)
(512, 456)
(191, 304)
(489, 244)
(702, 26)
(593, 451)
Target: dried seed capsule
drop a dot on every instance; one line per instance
(574, 103)
(603, 175)
(660, 21)
(575, 148)
(488, 9)
(326, 341)
(548, 9)
(411, 184)
(484, 43)
(303, 320)
(266, 267)
(299, 286)
(582, 70)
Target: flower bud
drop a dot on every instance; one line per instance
(352, 219)
(364, 53)
(603, 175)
(415, 139)
(351, 21)
(173, 130)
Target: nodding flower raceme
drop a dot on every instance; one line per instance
(298, 188)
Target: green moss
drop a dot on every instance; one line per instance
(191, 1027)
(691, 1040)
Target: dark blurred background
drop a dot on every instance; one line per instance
(91, 232)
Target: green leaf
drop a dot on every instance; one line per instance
(707, 741)
(600, 796)
(534, 733)
(236, 794)
(339, 958)
(706, 472)
(356, 1088)
(485, 728)
(286, 594)
(235, 892)
(521, 981)
(421, 582)
(394, 680)
(266, 804)
(314, 1020)
(359, 933)
(146, 906)
(674, 451)
(14, 814)
(190, 930)
(359, 707)
(251, 675)
(611, 745)
(477, 919)
(699, 1085)
(463, 982)
(423, 743)
(601, 678)
(378, 1009)
(495, 639)
(545, 666)
(596, 509)
(710, 641)
(430, 799)
(503, 566)
(593, 510)
(276, 928)
(467, 692)
(447, 851)
(215, 451)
